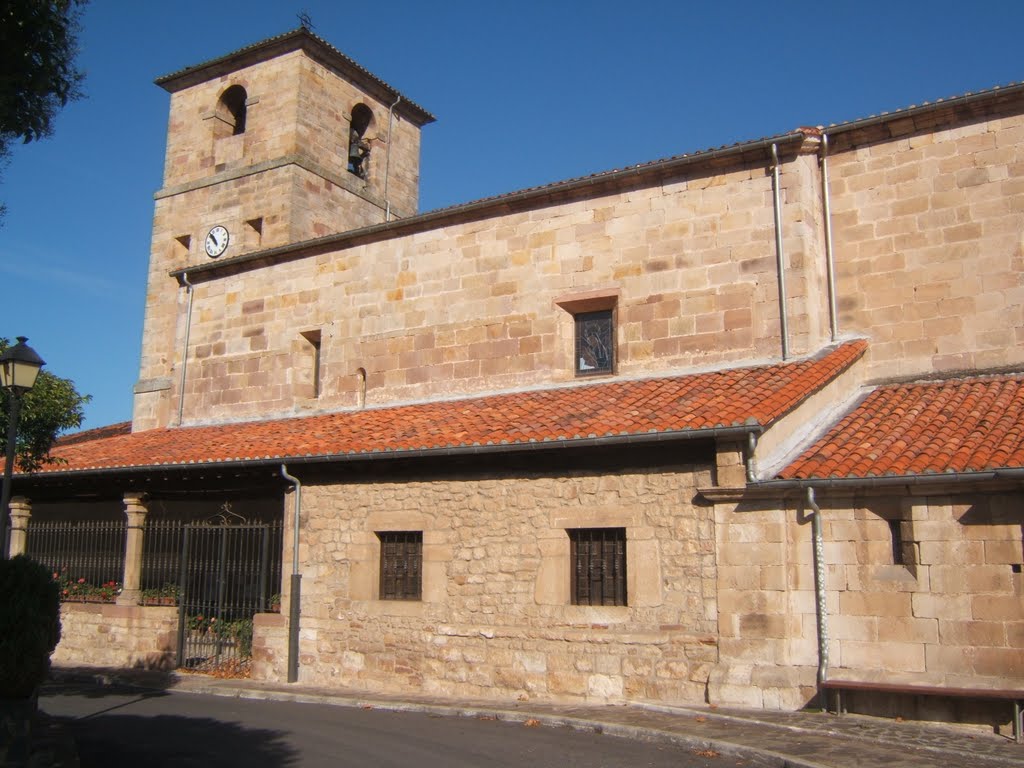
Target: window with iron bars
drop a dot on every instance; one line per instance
(401, 564)
(598, 558)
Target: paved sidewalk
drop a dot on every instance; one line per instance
(795, 739)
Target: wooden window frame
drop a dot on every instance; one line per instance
(597, 561)
(401, 565)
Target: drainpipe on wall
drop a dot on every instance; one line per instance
(751, 465)
(830, 267)
(184, 349)
(779, 254)
(387, 159)
(296, 584)
(819, 586)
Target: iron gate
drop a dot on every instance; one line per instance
(228, 573)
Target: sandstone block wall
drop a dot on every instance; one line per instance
(927, 224)
(487, 305)
(107, 635)
(284, 180)
(496, 618)
(297, 108)
(952, 614)
(269, 647)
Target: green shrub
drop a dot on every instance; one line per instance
(29, 625)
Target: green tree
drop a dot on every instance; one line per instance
(51, 407)
(38, 73)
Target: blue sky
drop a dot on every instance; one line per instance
(525, 93)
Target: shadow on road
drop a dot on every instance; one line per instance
(113, 740)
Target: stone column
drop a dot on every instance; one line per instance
(135, 510)
(21, 511)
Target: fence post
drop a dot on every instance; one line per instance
(21, 511)
(135, 510)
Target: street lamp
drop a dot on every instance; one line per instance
(19, 366)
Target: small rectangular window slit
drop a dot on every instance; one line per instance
(896, 536)
(254, 234)
(313, 337)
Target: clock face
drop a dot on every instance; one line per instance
(217, 241)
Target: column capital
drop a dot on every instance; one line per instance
(135, 498)
(21, 511)
(136, 508)
(21, 506)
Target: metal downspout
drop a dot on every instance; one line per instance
(184, 350)
(779, 254)
(387, 160)
(819, 587)
(830, 267)
(751, 466)
(295, 595)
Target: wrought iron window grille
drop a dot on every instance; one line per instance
(401, 565)
(598, 557)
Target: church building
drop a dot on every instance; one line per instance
(736, 427)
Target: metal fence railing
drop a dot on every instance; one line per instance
(241, 563)
(217, 575)
(228, 574)
(86, 556)
(161, 561)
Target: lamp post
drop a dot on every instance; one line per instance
(19, 366)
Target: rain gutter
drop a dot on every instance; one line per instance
(780, 256)
(819, 587)
(830, 266)
(184, 347)
(295, 594)
(935, 478)
(387, 159)
(912, 112)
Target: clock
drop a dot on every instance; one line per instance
(217, 241)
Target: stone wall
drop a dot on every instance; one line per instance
(495, 619)
(688, 266)
(107, 635)
(951, 614)
(927, 220)
(284, 180)
(270, 646)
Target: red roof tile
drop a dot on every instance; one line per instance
(960, 425)
(753, 397)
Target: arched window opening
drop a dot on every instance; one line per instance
(358, 146)
(231, 109)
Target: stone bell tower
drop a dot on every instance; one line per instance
(280, 142)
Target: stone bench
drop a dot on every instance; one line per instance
(911, 689)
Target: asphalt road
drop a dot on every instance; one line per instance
(116, 729)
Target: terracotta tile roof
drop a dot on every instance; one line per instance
(959, 425)
(88, 435)
(740, 397)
